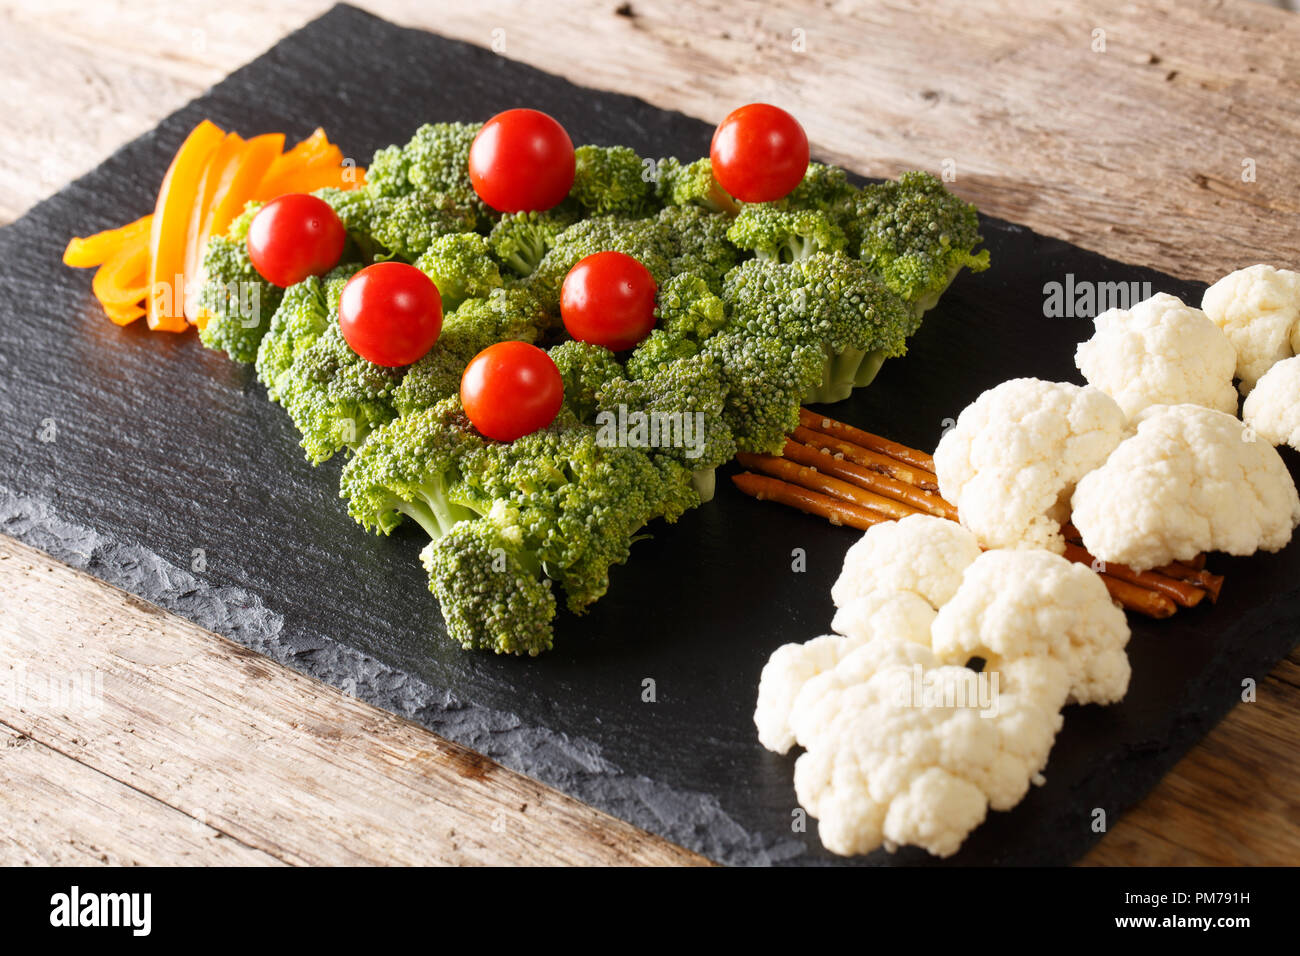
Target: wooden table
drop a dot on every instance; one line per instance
(1131, 141)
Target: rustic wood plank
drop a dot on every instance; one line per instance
(55, 811)
(1135, 152)
(230, 741)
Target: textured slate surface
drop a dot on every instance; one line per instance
(162, 448)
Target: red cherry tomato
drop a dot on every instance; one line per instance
(293, 237)
(390, 313)
(759, 153)
(511, 389)
(609, 299)
(521, 160)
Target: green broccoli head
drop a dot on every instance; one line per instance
(585, 369)
(678, 184)
(700, 243)
(827, 301)
(307, 309)
(239, 303)
(648, 240)
(917, 236)
(613, 180)
(334, 396)
(461, 267)
(520, 239)
(785, 235)
(686, 313)
(407, 468)
(490, 592)
(823, 189)
(407, 225)
(509, 313)
(765, 380)
(436, 159)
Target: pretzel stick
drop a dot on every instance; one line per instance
(812, 479)
(1136, 598)
(829, 426)
(782, 492)
(874, 460)
(824, 461)
(1180, 592)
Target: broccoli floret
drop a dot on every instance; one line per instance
(680, 185)
(305, 312)
(684, 408)
(686, 313)
(334, 396)
(827, 301)
(823, 188)
(238, 303)
(407, 225)
(408, 467)
(520, 239)
(460, 267)
(765, 380)
(436, 159)
(555, 504)
(612, 180)
(648, 240)
(781, 235)
(917, 236)
(700, 243)
(512, 313)
(491, 595)
(585, 369)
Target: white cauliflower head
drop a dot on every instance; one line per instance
(1258, 309)
(1160, 352)
(784, 675)
(1036, 605)
(920, 553)
(1273, 407)
(1192, 479)
(1011, 462)
(901, 614)
(887, 771)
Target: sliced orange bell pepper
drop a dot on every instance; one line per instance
(95, 250)
(224, 162)
(124, 316)
(235, 180)
(123, 280)
(171, 221)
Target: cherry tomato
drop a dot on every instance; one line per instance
(521, 160)
(295, 236)
(390, 313)
(511, 389)
(609, 299)
(759, 153)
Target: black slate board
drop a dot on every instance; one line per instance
(162, 448)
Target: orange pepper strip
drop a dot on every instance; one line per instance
(225, 160)
(123, 281)
(124, 316)
(171, 222)
(241, 174)
(95, 250)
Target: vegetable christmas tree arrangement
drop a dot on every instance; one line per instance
(468, 320)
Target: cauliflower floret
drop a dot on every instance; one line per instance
(1015, 605)
(1258, 308)
(887, 771)
(1161, 352)
(784, 675)
(1273, 407)
(1192, 479)
(919, 553)
(902, 614)
(1012, 461)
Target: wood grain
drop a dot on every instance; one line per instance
(1136, 152)
(178, 745)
